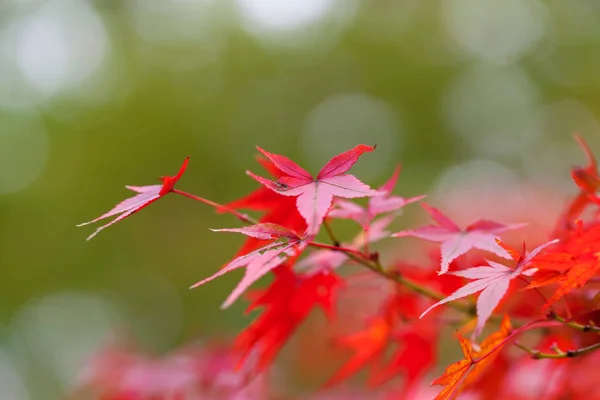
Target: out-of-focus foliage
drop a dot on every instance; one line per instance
(98, 94)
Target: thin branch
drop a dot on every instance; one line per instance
(243, 217)
(574, 325)
(338, 248)
(538, 355)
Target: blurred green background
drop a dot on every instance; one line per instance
(98, 94)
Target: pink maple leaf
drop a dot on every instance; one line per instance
(377, 205)
(455, 241)
(146, 196)
(492, 281)
(328, 260)
(314, 195)
(286, 244)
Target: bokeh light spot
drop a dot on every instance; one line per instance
(284, 15)
(343, 121)
(313, 24)
(489, 108)
(62, 330)
(61, 45)
(499, 31)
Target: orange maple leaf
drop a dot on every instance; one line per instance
(468, 370)
(456, 373)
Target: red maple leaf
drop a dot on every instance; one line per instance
(377, 205)
(571, 264)
(146, 196)
(285, 244)
(315, 195)
(588, 181)
(286, 302)
(455, 241)
(414, 352)
(492, 281)
(280, 210)
(331, 259)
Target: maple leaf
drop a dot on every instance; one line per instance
(377, 205)
(368, 345)
(279, 209)
(455, 374)
(571, 264)
(492, 281)
(315, 195)
(586, 178)
(414, 355)
(323, 260)
(286, 302)
(286, 244)
(455, 241)
(414, 352)
(465, 372)
(588, 181)
(146, 196)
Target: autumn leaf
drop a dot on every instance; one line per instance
(455, 374)
(492, 281)
(413, 342)
(586, 178)
(279, 209)
(588, 181)
(488, 347)
(315, 195)
(286, 244)
(286, 302)
(368, 345)
(456, 241)
(376, 205)
(465, 372)
(323, 260)
(146, 195)
(571, 264)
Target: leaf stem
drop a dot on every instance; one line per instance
(339, 248)
(538, 355)
(243, 217)
(574, 325)
(376, 267)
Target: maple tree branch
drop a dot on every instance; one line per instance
(574, 325)
(376, 266)
(346, 250)
(538, 355)
(243, 217)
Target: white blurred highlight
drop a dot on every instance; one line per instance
(286, 15)
(499, 32)
(61, 45)
(296, 23)
(341, 122)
